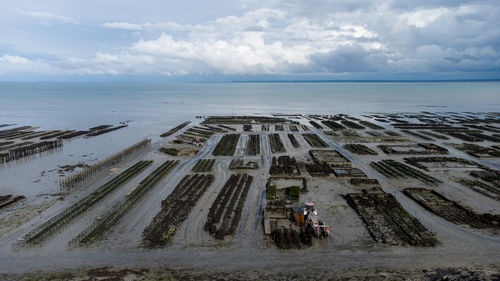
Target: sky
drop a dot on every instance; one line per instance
(222, 40)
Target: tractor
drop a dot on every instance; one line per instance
(306, 217)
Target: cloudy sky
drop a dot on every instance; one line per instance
(100, 40)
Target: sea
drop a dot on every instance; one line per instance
(153, 108)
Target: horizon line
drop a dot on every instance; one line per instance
(277, 81)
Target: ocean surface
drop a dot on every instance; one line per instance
(80, 105)
(153, 108)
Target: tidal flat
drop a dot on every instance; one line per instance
(384, 195)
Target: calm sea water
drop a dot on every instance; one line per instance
(154, 108)
(80, 105)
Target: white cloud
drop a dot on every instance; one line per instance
(123, 25)
(13, 60)
(43, 16)
(10, 63)
(423, 17)
(258, 17)
(246, 54)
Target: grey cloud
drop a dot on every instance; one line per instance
(254, 28)
(350, 59)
